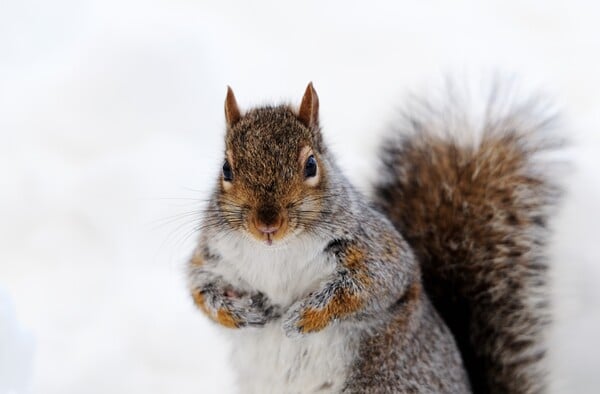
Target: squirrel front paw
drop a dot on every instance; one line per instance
(305, 317)
(235, 309)
(335, 301)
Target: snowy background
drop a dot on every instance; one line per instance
(111, 122)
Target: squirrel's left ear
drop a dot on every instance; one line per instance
(309, 108)
(232, 112)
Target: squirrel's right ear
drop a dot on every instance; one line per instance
(232, 112)
(309, 109)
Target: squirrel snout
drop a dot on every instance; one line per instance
(269, 227)
(268, 219)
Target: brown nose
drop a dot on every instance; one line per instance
(268, 228)
(268, 219)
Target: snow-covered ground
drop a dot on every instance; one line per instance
(111, 122)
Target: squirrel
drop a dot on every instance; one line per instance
(437, 283)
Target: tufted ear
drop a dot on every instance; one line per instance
(232, 112)
(309, 108)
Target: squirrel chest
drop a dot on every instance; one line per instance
(265, 357)
(283, 273)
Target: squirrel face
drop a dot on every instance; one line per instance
(274, 174)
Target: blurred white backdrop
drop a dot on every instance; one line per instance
(111, 123)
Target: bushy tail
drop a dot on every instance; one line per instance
(468, 184)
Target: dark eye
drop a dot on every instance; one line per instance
(227, 172)
(310, 168)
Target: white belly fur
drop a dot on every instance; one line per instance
(267, 361)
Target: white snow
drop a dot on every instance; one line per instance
(111, 122)
(16, 350)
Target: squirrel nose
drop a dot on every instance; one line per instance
(268, 228)
(268, 219)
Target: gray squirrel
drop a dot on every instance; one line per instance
(435, 284)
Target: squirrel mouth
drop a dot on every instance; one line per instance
(269, 233)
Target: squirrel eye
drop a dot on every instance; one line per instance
(227, 172)
(310, 168)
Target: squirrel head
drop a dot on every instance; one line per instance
(274, 176)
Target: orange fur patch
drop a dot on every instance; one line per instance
(223, 316)
(354, 260)
(199, 301)
(197, 259)
(342, 304)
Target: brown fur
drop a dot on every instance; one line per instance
(197, 260)
(343, 302)
(258, 155)
(232, 112)
(476, 216)
(397, 357)
(340, 305)
(222, 316)
(225, 318)
(309, 108)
